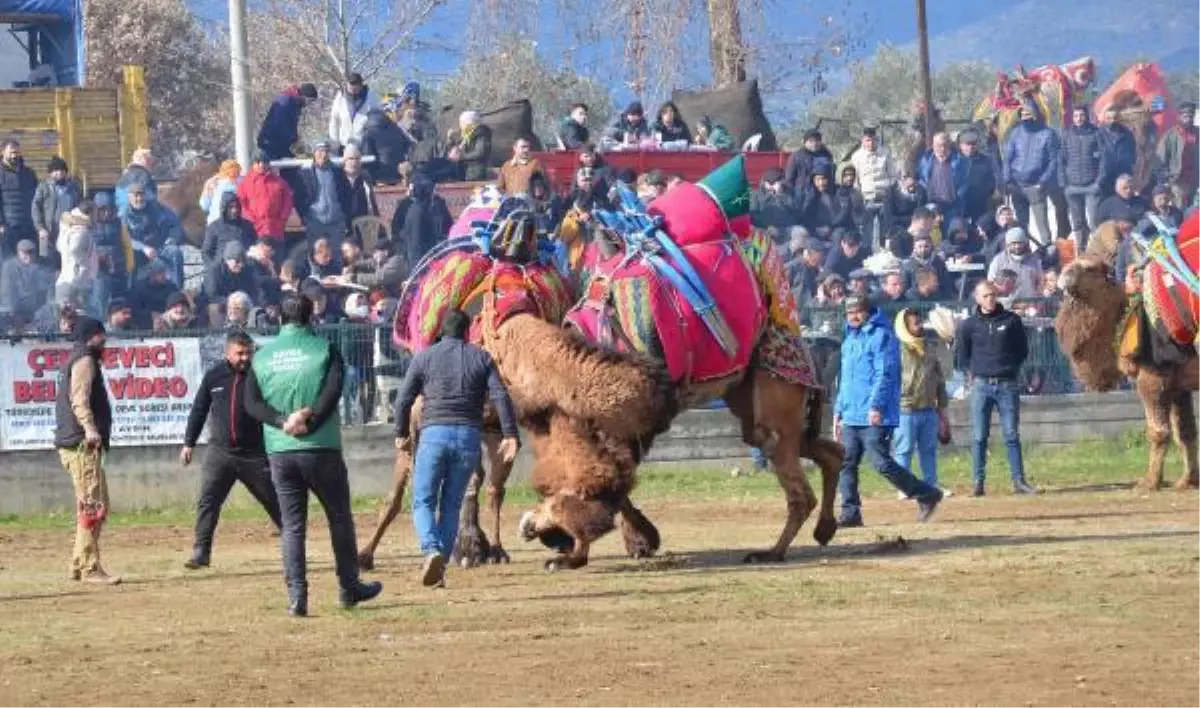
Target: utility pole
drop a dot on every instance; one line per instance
(239, 74)
(926, 82)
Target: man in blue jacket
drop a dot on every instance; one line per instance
(1031, 167)
(943, 173)
(867, 410)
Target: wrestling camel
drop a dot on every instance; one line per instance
(1087, 324)
(683, 312)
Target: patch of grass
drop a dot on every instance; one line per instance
(1111, 461)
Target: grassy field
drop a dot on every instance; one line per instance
(1086, 594)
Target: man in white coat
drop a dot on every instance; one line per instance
(348, 115)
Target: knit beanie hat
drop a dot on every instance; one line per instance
(85, 328)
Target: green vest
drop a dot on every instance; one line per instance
(290, 371)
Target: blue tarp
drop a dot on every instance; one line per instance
(58, 8)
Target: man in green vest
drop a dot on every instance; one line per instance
(294, 388)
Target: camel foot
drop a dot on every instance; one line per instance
(366, 561)
(472, 548)
(825, 530)
(497, 555)
(526, 527)
(1149, 485)
(763, 557)
(638, 546)
(1185, 483)
(564, 562)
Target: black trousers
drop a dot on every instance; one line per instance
(323, 472)
(221, 470)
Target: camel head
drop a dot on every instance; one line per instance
(1093, 305)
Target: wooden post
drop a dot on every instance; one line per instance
(131, 109)
(926, 81)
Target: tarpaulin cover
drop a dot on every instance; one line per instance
(59, 8)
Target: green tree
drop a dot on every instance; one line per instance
(882, 91)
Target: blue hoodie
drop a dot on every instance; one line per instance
(1031, 155)
(281, 126)
(870, 375)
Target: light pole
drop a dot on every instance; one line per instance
(239, 73)
(926, 82)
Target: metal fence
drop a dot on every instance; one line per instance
(375, 368)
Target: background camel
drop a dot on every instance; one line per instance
(1087, 325)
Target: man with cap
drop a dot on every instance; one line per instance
(630, 127)
(859, 281)
(178, 316)
(294, 387)
(225, 277)
(1031, 169)
(802, 164)
(348, 114)
(846, 254)
(281, 127)
(805, 265)
(120, 316)
(153, 294)
(82, 434)
(991, 348)
(867, 410)
(235, 451)
(1018, 258)
(772, 206)
(17, 186)
(322, 197)
(24, 284)
(1179, 151)
(980, 178)
(56, 195)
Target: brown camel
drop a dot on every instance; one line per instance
(591, 415)
(1087, 328)
(474, 545)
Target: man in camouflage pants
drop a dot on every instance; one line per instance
(83, 432)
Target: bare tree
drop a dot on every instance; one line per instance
(726, 46)
(517, 72)
(186, 74)
(344, 36)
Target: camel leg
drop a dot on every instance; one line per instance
(497, 478)
(827, 454)
(1152, 390)
(1183, 425)
(401, 470)
(640, 535)
(472, 546)
(765, 404)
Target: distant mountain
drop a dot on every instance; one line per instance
(1036, 32)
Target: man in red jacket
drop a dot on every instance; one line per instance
(266, 201)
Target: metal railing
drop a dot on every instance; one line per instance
(375, 368)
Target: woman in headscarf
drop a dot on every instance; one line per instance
(922, 398)
(473, 148)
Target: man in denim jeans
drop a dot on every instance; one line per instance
(991, 349)
(455, 377)
(867, 410)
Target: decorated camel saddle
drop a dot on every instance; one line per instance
(691, 283)
(501, 253)
(1170, 292)
(1054, 89)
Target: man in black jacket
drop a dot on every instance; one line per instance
(802, 164)
(981, 176)
(455, 377)
(18, 184)
(235, 445)
(1082, 171)
(991, 349)
(83, 432)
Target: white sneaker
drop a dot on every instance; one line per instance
(902, 496)
(947, 493)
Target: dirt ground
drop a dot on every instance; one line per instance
(1068, 598)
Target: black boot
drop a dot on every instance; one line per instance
(359, 592)
(979, 490)
(1022, 487)
(298, 606)
(199, 559)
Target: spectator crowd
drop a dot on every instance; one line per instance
(864, 224)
